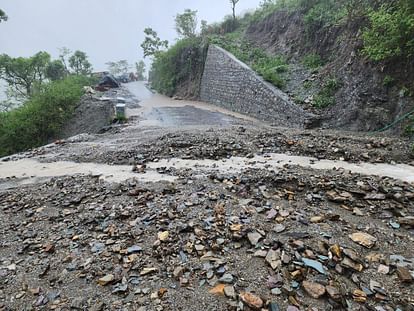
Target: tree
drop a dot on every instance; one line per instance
(233, 6)
(186, 24)
(3, 16)
(152, 43)
(24, 75)
(55, 70)
(117, 68)
(79, 63)
(63, 55)
(204, 27)
(140, 68)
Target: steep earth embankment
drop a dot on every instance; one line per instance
(363, 100)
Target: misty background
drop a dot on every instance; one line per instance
(106, 30)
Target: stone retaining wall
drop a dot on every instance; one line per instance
(231, 84)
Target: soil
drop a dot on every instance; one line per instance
(202, 240)
(362, 101)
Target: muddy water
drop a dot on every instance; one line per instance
(236, 164)
(28, 171)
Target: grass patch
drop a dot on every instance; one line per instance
(326, 97)
(312, 61)
(272, 68)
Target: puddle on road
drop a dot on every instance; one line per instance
(236, 164)
(29, 171)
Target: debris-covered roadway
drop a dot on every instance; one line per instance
(205, 220)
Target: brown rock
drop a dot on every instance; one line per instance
(107, 279)
(363, 239)
(314, 290)
(404, 275)
(49, 248)
(336, 250)
(333, 292)
(408, 221)
(218, 290)
(317, 219)
(253, 301)
(348, 263)
(359, 296)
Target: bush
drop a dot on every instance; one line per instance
(312, 61)
(326, 97)
(324, 12)
(391, 33)
(41, 118)
(181, 62)
(388, 81)
(272, 68)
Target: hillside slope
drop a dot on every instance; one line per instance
(364, 100)
(350, 62)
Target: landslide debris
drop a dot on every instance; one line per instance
(292, 239)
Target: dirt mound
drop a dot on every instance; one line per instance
(91, 115)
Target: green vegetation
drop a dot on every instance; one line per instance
(186, 24)
(3, 16)
(55, 70)
(24, 75)
(170, 68)
(41, 117)
(119, 67)
(140, 70)
(272, 68)
(152, 43)
(79, 63)
(312, 61)
(391, 33)
(388, 81)
(326, 97)
(27, 75)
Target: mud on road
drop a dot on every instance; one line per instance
(260, 237)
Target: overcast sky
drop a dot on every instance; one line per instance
(107, 30)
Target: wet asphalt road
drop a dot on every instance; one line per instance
(159, 110)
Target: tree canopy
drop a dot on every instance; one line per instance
(56, 70)
(3, 16)
(22, 74)
(79, 63)
(119, 67)
(140, 70)
(152, 43)
(186, 23)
